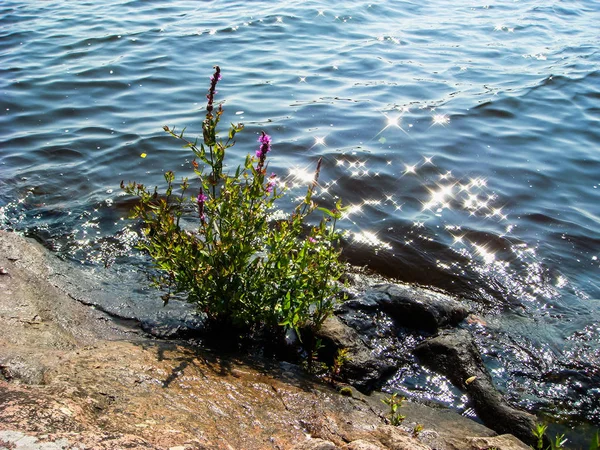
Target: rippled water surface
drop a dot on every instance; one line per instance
(465, 135)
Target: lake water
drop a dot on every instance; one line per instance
(465, 135)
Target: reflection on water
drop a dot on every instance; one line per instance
(464, 146)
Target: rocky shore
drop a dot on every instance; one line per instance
(72, 377)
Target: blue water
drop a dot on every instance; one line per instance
(465, 135)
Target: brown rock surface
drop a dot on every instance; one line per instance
(71, 376)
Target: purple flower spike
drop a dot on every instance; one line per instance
(201, 199)
(261, 153)
(213, 88)
(264, 138)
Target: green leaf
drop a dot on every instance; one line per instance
(326, 211)
(595, 444)
(232, 132)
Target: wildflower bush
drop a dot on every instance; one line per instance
(238, 266)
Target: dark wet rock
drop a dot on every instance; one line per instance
(453, 353)
(368, 366)
(418, 308)
(408, 306)
(381, 326)
(110, 291)
(168, 327)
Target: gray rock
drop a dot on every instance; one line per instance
(316, 444)
(394, 438)
(18, 368)
(503, 442)
(362, 444)
(418, 308)
(454, 354)
(20, 441)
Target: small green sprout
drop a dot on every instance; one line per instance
(395, 401)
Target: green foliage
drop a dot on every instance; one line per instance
(539, 432)
(558, 443)
(338, 363)
(394, 401)
(417, 429)
(346, 391)
(595, 444)
(330, 373)
(238, 266)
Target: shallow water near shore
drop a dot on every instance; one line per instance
(464, 136)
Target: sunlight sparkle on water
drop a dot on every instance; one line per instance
(428, 160)
(477, 182)
(497, 212)
(440, 119)
(371, 239)
(458, 239)
(393, 121)
(352, 209)
(445, 176)
(561, 282)
(319, 140)
(356, 168)
(410, 169)
(440, 198)
(488, 256)
(300, 176)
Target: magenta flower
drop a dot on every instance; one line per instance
(271, 183)
(201, 199)
(264, 138)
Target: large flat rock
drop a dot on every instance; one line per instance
(71, 377)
